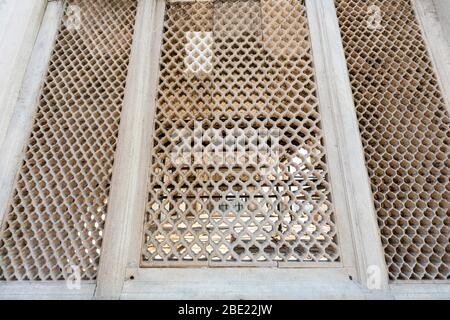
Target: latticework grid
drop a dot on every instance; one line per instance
(57, 212)
(405, 130)
(235, 68)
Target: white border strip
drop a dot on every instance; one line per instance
(34, 290)
(265, 284)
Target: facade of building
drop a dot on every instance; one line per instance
(241, 149)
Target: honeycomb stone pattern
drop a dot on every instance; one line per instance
(57, 212)
(213, 214)
(405, 129)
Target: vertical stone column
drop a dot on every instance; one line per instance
(19, 26)
(127, 199)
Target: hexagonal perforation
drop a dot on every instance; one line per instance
(261, 77)
(57, 212)
(405, 130)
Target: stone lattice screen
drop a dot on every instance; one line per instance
(234, 68)
(405, 130)
(58, 209)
